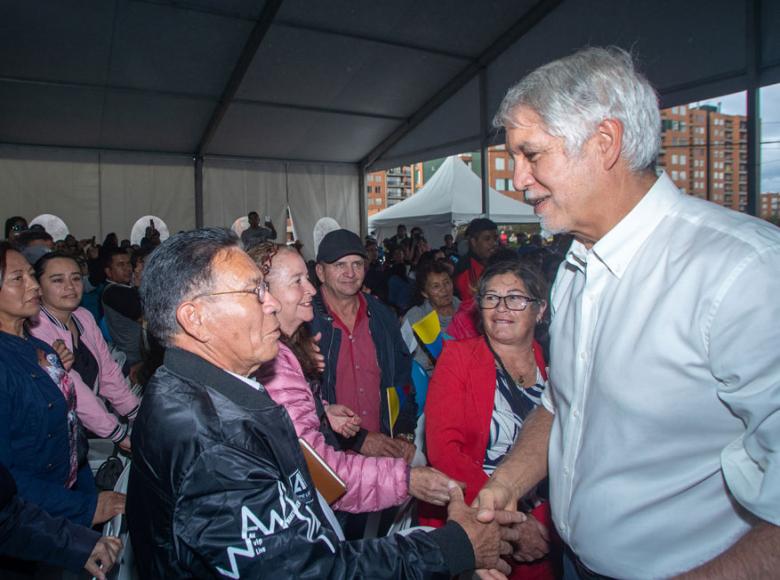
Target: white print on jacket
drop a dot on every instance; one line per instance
(253, 530)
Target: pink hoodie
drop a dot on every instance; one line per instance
(373, 483)
(111, 381)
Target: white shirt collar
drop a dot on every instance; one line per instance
(248, 380)
(621, 243)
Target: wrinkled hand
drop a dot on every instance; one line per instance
(431, 485)
(65, 355)
(109, 504)
(313, 349)
(490, 540)
(379, 445)
(408, 450)
(343, 420)
(492, 497)
(103, 556)
(534, 542)
(495, 495)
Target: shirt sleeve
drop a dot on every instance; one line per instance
(743, 347)
(30, 533)
(547, 399)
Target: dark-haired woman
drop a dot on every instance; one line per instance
(39, 436)
(434, 287)
(484, 388)
(95, 374)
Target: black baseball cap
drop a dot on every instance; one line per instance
(339, 243)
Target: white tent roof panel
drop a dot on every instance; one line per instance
(60, 40)
(272, 132)
(356, 75)
(160, 48)
(129, 118)
(454, 126)
(39, 114)
(464, 28)
(65, 61)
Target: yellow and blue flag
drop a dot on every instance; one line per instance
(420, 382)
(428, 330)
(393, 407)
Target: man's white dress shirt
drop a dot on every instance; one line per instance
(665, 385)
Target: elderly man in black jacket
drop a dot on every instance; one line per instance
(218, 484)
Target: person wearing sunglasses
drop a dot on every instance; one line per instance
(482, 390)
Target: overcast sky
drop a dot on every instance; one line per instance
(770, 130)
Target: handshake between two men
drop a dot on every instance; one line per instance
(496, 530)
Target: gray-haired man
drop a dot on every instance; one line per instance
(662, 423)
(218, 484)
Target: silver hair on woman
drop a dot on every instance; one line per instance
(576, 93)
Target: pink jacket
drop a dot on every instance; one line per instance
(111, 381)
(373, 483)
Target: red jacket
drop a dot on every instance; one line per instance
(458, 411)
(466, 280)
(459, 408)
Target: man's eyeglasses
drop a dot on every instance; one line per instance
(516, 302)
(261, 291)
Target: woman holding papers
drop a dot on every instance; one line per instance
(434, 287)
(373, 483)
(483, 389)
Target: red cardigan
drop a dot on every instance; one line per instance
(458, 411)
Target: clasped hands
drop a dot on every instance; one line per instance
(528, 539)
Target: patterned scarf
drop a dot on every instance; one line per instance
(51, 364)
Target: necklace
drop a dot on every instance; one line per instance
(519, 382)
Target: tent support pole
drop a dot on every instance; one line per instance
(483, 142)
(753, 108)
(199, 192)
(362, 201)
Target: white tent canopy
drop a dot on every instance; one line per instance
(451, 198)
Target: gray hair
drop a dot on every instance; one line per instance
(177, 269)
(574, 94)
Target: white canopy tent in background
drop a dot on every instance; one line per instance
(451, 198)
(198, 111)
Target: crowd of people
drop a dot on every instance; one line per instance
(602, 404)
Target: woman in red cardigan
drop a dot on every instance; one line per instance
(482, 390)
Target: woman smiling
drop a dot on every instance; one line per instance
(373, 483)
(95, 374)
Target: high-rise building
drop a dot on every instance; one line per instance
(386, 188)
(704, 151)
(770, 207)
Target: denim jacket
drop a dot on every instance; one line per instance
(34, 443)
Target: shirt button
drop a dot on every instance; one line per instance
(49, 436)
(575, 413)
(583, 355)
(365, 412)
(49, 466)
(357, 367)
(51, 405)
(362, 391)
(566, 471)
